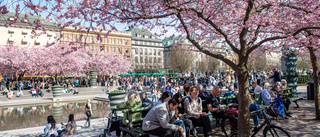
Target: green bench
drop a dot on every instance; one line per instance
(292, 97)
(133, 126)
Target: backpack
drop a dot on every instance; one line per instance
(203, 94)
(233, 111)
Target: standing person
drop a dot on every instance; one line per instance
(88, 112)
(276, 75)
(51, 128)
(193, 109)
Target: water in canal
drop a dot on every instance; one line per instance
(36, 115)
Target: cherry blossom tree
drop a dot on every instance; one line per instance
(15, 60)
(240, 25)
(109, 64)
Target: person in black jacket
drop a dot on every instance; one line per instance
(276, 75)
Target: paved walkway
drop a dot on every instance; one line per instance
(301, 124)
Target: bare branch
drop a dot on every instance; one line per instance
(281, 37)
(196, 44)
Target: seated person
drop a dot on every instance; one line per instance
(157, 121)
(134, 101)
(5, 91)
(265, 94)
(193, 108)
(213, 103)
(256, 87)
(274, 91)
(229, 93)
(75, 92)
(70, 128)
(165, 97)
(179, 114)
(10, 94)
(145, 102)
(51, 128)
(283, 84)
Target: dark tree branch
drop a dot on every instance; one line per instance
(196, 44)
(281, 37)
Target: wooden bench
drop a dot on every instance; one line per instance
(134, 126)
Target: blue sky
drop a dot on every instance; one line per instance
(119, 26)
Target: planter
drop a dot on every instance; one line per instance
(56, 93)
(93, 78)
(116, 98)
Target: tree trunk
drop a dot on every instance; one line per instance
(314, 62)
(243, 98)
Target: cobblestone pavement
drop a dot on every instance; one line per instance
(302, 123)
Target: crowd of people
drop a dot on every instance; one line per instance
(177, 103)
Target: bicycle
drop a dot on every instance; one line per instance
(269, 130)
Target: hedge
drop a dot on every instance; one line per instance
(301, 78)
(177, 78)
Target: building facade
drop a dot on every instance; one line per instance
(199, 58)
(117, 42)
(274, 59)
(20, 33)
(147, 50)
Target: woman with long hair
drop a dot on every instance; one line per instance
(88, 112)
(193, 109)
(71, 127)
(51, 129)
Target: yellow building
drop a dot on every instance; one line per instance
(118, 42)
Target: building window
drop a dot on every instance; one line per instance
(154, 52)
(106, 40)
(99, 49)
(91, 48)
(150, 51)
(159, 60)
(127, 42)
(113, 41)
(141, 42)
(91, 39)
(107, 49)
(113, 50)
(136, 59)
(141, 51)
(154, 60)
(120, 50)
(74, 37)
(150, 43)
(141, 59)
(136, 51)
(145, 36)
(159, 52)
(120, 42)
(66, 37)
(145, 51)
(127, 51)
(150, 59)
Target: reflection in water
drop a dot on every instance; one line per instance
(33, 116)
